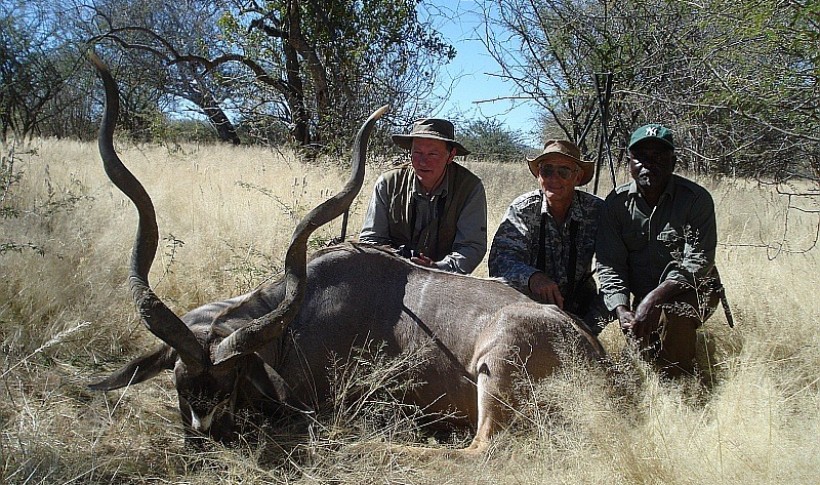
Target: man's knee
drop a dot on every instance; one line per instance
(678, 344)
(672, 347)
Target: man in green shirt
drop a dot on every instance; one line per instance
(656, 242)
(432, 210)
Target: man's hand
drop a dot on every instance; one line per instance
(637, 327)
(626, 318)
(646, 318)
(545, 290)
(642, 322)
(422, 260)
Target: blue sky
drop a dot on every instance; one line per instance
(474, 91)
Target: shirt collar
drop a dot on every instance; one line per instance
(667, 193)
(575, 210)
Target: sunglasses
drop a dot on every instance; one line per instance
(548, 170)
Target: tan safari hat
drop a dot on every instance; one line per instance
(565, 149)
(434, 128)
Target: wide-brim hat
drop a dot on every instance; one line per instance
(563, 149)
(433, 128)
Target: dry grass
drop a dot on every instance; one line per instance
(66, 317)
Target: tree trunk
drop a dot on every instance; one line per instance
(296, 97)
(224, 128)
(297, 41)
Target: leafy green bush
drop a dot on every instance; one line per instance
(490, 140)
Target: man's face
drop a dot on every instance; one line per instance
(558, 178)
(430, 158)
(651, 163)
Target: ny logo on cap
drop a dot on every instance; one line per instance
(652, 131)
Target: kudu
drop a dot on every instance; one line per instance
(273, 346)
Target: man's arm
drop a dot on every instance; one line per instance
(470, 243)
(700, 235)
(375, 226)
(646, 316)
(510, 251)
(612, 256)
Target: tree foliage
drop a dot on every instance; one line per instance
(34, 72)
(305, 71)
(737, 80)
(489, 139)
(317, 68)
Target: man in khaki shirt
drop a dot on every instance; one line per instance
(432, 210)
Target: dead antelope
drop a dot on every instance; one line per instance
(273, 347)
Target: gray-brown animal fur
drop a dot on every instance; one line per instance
(272, 347)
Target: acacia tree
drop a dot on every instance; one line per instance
(764, 78)
(489, 139)
(317, 67)
(339, 59)
(738, 80)
(152, 37)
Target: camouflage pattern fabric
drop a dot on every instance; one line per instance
(514, 249)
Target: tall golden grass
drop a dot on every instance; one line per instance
(226, 214)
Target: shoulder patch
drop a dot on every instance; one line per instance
(528, 199)
(622, 188)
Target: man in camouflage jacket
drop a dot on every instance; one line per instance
(545, 243)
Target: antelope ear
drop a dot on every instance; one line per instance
(268, 382)
(138, 370)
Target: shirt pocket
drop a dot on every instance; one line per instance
(397, 211)
(635, 239)
(671, 239)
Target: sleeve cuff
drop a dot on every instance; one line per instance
(679, 276)
(614, 301)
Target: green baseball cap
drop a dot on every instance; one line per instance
(652, 131)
